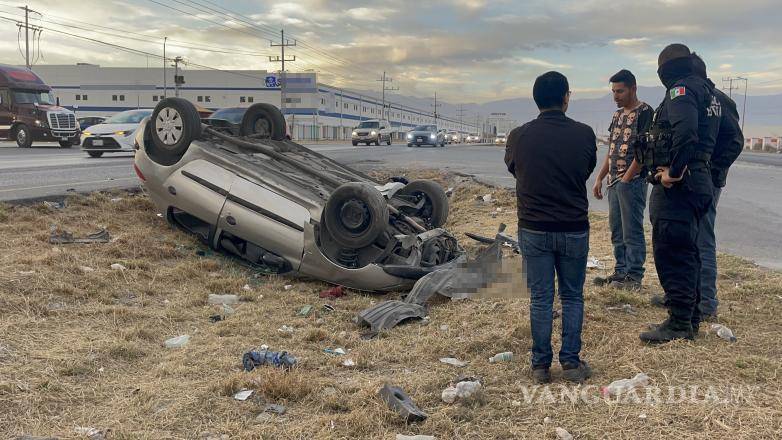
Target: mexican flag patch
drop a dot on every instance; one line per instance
(677, 91)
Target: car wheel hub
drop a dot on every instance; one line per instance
(22, 136)
(354, 215)
(169, 126)
(261, 127)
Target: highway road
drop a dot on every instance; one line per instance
(748, 224)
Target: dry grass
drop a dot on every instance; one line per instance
(85, 349)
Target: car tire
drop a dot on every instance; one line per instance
(354, 143)
(66, 144)
(24, 138)
(409, 145)
(389, 141)
(174, 124)
(377, 142)
(436, 205)
(95, 153)
(355, 215)
(264, 120)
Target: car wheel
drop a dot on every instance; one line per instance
(389, 140)
(95, 153)
(356, 214)
(409, 145)
(66, 144)
(263, 121)
(377, 142)
(24, 138)
(174, 124)
(435, 209)
(354, 143)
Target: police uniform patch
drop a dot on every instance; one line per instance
(678, 91)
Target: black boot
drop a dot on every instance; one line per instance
(603, 281)
(695, 328)
(669, 330)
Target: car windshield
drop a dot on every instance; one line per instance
(34, 97)
(232, 115)
(128, 117)
(368, 124)
(425, 128)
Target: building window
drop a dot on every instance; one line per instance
(83, 97)
(121, 97)
(200, 99)
(250, 99)
(113, 97)
(242, 99)
(207, 99)
(346, 106)
(154, 98)
(78, 97)
(322, 101)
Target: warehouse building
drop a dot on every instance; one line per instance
(313, 110)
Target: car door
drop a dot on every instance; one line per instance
(5, 114)
(261, 216)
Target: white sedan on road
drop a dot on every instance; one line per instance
(114, 135)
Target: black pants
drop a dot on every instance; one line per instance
(675, 214)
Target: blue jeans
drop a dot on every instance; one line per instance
(543, 254)
(707, 246)
(626, 204)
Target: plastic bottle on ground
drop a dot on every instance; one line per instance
(723, 332)
(501, 357)
(623, 385)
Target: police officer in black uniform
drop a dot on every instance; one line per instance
(677, 150)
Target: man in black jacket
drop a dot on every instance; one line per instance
(552, 157)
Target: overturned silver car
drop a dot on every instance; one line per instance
(285, 208)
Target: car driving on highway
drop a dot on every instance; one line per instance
(372, 131)
(426, 135)
(501, 139)
(114, 135)
(285, 208)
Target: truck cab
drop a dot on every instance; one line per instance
(29, 113)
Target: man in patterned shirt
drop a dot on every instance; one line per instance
(627, 187)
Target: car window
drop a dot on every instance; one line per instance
(128, 117)
(368, 124)
(33, 97)
(425, 128)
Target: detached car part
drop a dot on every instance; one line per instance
(283, 207)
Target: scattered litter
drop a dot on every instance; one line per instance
(117, 266)
(487, 198)
(26, 272)
(216, 318)
(263, 356)
(222, 299)
(449, 192)
(91, 433)
(288, 287)
(86, 269)
(453, 361)
(501, 357)
(54, 205)
(228, 310)
(562, 434)
(335, 351)
(723, 332)
(400, 402)
(348, 363)
(247, 288)
(334, 292)
(285, 329)
(177, 342)
(642, 416)
(627, 308)
(328, 307)
(275, 409)
(160, 215)
(264, 418)
(594, 263)
(243, 395)
(618, 387)
(116, 199)
(304, 311)
(388, 314)
(415, 437)
(66, 237)
(546, 420)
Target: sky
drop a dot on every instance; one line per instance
(465, 50)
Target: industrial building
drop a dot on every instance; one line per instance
(313, 110)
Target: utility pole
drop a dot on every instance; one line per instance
(730, 81)
(281, 59)
(27, 33)
(460, 113)
(384, 79)
(177, 79)
(435, 108)
(165, 85)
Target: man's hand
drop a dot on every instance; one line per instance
(665, 179)
(597, 190)
(628, 177)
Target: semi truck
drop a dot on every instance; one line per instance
(29, 113)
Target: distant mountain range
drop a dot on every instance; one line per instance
(763, 113)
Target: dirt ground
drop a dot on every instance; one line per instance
(83, 348)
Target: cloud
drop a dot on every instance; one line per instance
(542, 63)
(370, 14)
(630, 42)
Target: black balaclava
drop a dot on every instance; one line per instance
(675, 70)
